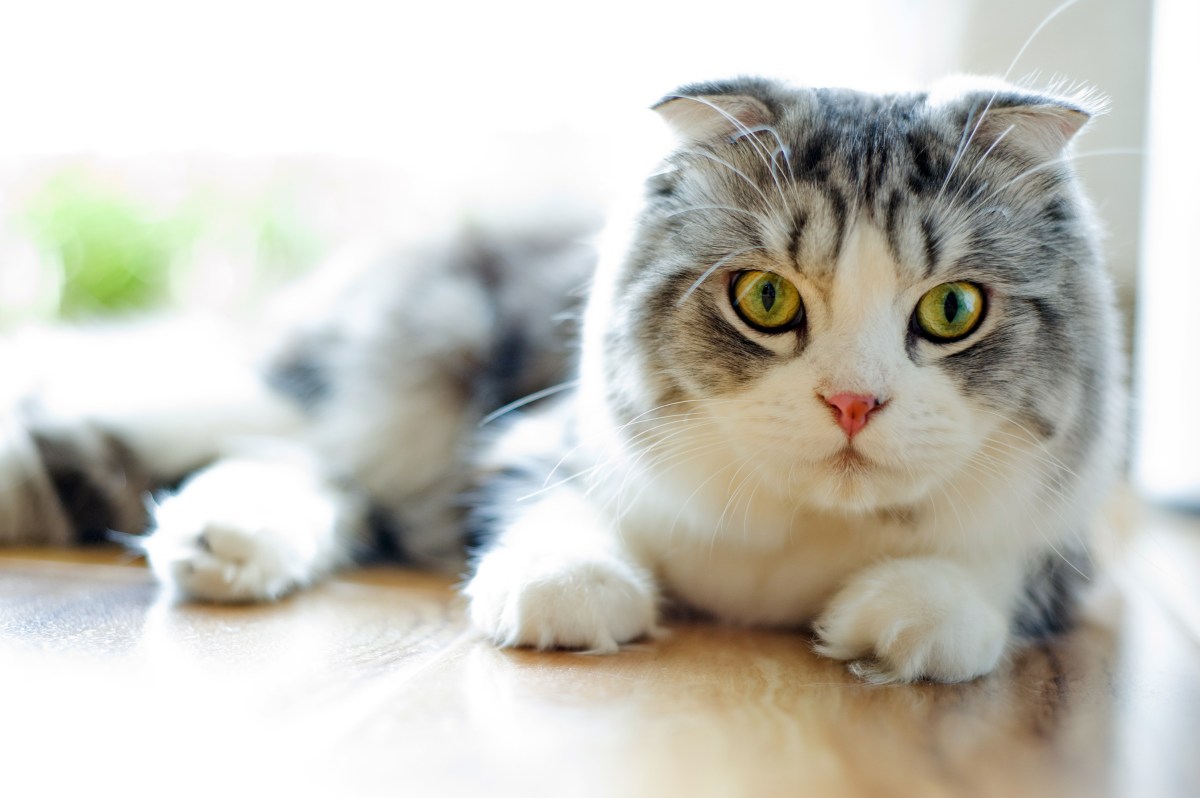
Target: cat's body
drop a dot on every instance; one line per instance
(853, 364)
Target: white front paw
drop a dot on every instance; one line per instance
(594, 604)
(243, 531)
(913, 619)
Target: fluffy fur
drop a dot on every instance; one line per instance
(698, 459)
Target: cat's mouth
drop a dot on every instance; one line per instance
(851, 460)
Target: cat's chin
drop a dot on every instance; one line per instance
(850, 481)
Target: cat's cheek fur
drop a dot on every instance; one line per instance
(909, 619)
(557, 578)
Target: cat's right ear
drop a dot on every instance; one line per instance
(705, 112)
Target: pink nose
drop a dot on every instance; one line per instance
(852, 410)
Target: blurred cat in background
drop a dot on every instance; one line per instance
(850, 362)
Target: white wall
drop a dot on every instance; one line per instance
(1167, 456)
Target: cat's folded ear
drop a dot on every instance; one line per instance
(706, 111)
(1041, 124)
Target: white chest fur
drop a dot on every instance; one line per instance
(746, 553)
(765, 562)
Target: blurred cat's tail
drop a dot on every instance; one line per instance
(93, 419)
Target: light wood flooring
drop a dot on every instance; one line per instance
(373, 685)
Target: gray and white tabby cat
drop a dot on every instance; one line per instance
(852, 364)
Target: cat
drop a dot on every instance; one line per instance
(850, 364)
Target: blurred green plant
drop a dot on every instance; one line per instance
(115, 255)
(118, 254)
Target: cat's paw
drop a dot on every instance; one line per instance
(222, 561)
(242, 532)
(592, 604)
(908, 620)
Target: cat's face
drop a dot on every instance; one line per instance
(855, 298)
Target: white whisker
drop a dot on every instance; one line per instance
(525, 400)
(728, 208)
(1068, 158)
(980, 162)
(759, 149)
(754, 186)
(712, 269)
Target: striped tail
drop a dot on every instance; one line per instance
(67, 484)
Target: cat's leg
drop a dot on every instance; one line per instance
(91, 419)
(556, 575)
(917, 618)
(254, 529)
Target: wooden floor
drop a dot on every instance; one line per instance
(372, 685)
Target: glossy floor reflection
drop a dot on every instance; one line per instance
(372, 685)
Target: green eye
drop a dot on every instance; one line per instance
(766, 301)
(950, 311)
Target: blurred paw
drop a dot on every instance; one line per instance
(215, 561)
(240, 532)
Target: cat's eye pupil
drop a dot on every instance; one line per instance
(768, 296)
(950, 306)
(949, 312)
(766, 301)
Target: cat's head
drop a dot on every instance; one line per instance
(857, 296)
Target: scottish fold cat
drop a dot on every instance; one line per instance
(855, 366)
(850, 364)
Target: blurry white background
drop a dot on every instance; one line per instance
(373, 115)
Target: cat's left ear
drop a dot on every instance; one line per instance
(1043, 124)
(706, 111)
